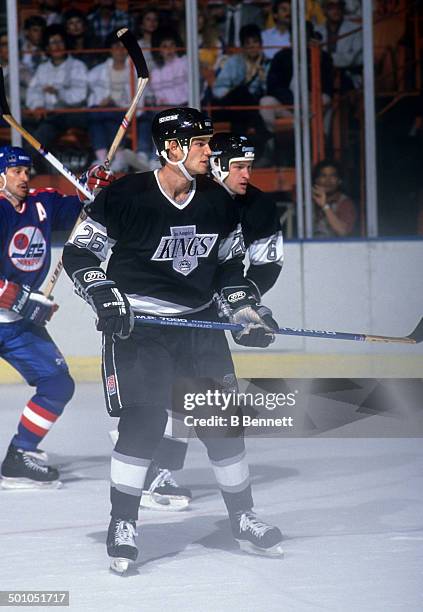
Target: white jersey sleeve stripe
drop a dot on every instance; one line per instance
(267, 250)
(92, 236)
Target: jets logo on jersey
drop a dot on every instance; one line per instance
(27, 249)
(183, 247)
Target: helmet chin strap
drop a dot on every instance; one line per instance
(218, 173)
(231, 193)
(179, 164)
(184, 171)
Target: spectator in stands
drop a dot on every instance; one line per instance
(108, 86)
(237, 15)
(147, 24)
(168, 86)
(279, 35)
(353, 9)
(242, 82)
(51, 11)
(217, 12)
(266, 7)
(334, 213)
(106, 18)
(24, 73)
(169, 77)
(60, 82)
(80, 38)
(31, 43)
(174, 19)
(210, 52)
(343, 42)
(210, 44)
(279, 82)
(314, 12)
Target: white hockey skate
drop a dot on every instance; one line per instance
(162, 492)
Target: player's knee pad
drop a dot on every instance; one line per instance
(57, 390)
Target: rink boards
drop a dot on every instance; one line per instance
(358, 286)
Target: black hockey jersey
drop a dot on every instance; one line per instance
(262, 233)
(167, 257)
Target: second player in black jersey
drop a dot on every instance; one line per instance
(231, 164)
(175, 241)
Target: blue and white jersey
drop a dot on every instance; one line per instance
(25, 236)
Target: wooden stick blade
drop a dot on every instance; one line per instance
(135, 52)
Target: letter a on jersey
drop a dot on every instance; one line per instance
(183, 247)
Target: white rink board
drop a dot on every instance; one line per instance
(337, 292)
(361, 286)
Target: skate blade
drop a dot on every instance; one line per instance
(169, 503)
(273, 551)
(26, 483)
(120, 565)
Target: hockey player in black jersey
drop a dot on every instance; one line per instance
(231, 162)
(175, 241)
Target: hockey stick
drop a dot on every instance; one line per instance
(5, 113)
(136, 55)
(415, 337)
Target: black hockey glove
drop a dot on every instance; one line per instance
(111, 305)
(241, 305)
(31, 305)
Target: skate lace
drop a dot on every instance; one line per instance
(162, 478)
(248, 522)
(33, 464)
(125, 533)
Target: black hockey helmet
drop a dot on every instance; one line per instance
(181, 124)
(227, 148)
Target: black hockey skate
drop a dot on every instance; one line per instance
(162, 492)
(255, 536)
(121, 546)
(21, 470)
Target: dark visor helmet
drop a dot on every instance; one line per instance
(227, 148)
(181, 124)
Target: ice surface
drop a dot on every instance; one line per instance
(350, 509)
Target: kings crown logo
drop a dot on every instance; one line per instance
(183, 247)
